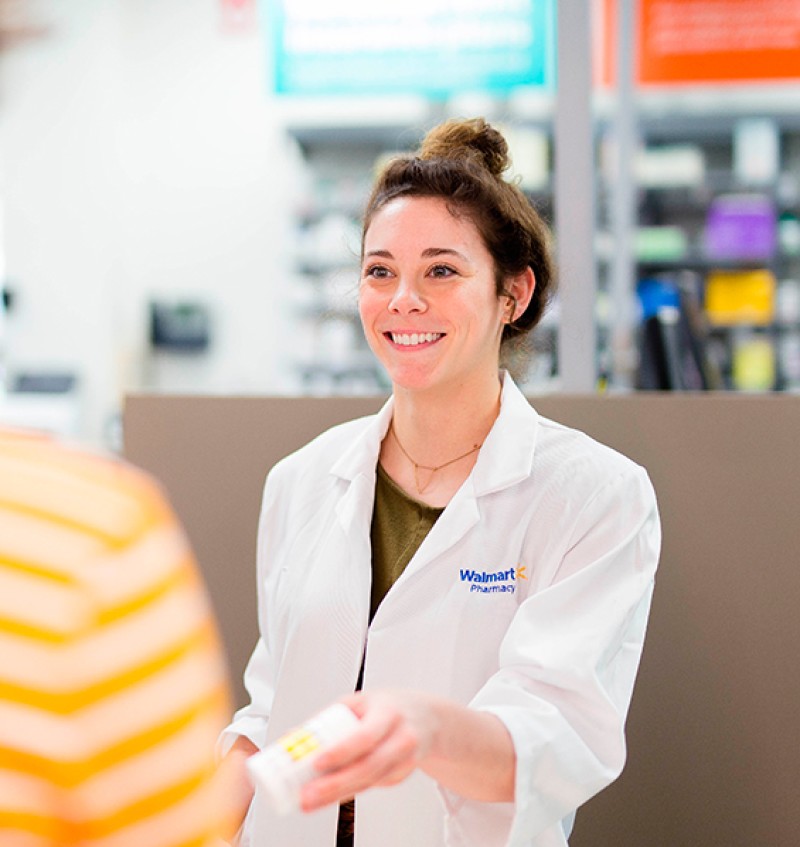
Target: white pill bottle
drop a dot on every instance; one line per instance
(283, 768)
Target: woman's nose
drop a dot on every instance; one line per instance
(407, 298)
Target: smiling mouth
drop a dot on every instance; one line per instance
(413, 339)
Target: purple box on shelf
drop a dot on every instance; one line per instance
(741, 226)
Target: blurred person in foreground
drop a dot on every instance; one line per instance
(113, 686)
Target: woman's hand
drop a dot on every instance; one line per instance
(465, 750)
(397, 730)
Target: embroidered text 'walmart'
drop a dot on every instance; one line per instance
(493, 582)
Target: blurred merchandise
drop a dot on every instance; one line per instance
(529, 148)
(753, 363)
(789, 360)
(787, 302)
(660, 243)
(331, 241)
(789, 234)
(740, 297)
(672, 353)
(756, 151)
(741, 227)
(670, 165)
(655, 292)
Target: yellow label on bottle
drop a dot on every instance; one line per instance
(300, 743)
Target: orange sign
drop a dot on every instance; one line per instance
(718, 41)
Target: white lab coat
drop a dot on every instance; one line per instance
(528, 599)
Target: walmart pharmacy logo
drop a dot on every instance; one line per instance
(493, 582)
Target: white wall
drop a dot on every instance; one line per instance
(141, 158)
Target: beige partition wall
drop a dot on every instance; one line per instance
(714, 743)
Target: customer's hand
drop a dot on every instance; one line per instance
(239, 785)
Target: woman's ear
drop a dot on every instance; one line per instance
(520, 289)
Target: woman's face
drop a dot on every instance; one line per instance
(427, 297)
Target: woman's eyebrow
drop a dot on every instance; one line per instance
(431, 252)
(427, 253)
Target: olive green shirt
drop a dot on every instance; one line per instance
(399, 525)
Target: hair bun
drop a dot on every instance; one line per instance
(472, 139)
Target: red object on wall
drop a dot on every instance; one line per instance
(238, 15)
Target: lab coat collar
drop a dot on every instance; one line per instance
(507, 453)
(357, 467)
(505, 458)
(361, 456)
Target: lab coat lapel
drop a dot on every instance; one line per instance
(354, 510)
(455, 522)
(356, 467)
(506, 457)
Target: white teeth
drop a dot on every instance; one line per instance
(406, 340)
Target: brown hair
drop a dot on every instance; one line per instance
(462, 161)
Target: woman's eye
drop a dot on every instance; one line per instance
(376, 272)
(442, 271)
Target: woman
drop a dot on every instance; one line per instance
(480, 574)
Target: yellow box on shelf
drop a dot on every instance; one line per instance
(753, 364)
(740, 297)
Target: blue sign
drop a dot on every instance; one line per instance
(428, 47)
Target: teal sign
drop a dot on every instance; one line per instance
(429, 47)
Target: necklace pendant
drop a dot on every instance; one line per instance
(432, 469)
(421, 488)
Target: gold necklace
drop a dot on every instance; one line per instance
(432, 469)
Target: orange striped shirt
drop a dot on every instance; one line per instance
(113, 687)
